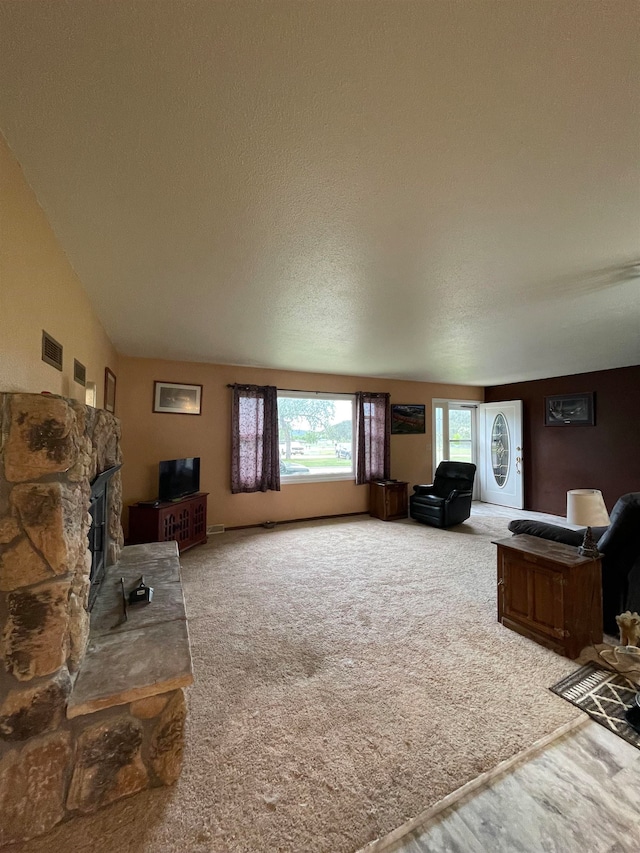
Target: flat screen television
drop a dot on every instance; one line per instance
(178, 478)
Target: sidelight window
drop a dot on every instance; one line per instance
(454, 431)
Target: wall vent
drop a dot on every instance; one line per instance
(215, 528)
(51, 351)
(79, 372)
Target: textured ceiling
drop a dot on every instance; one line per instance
(446, 191)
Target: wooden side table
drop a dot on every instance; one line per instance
(549, 593)
(388, 499)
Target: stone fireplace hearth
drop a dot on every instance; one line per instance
(71, 742)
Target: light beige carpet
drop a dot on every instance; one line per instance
(348, 674)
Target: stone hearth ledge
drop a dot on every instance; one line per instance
(149, 653)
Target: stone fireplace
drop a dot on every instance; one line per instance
(77, 730)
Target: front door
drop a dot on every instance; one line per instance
(501, 477)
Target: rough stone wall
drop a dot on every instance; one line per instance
(89, 762)
(51, 449)
(46, 460)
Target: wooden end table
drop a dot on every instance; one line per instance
(388, 499)
(549, 593)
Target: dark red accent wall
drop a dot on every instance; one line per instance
(605, 456)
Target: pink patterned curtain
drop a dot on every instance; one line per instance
(255, 457)
(373, 437)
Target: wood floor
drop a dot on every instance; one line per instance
(479, 508)
(579, 793)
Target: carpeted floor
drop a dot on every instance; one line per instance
(348, 674)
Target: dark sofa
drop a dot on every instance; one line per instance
(619, 544)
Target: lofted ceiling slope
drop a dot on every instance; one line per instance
(438, 191)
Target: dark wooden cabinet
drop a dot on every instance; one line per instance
(184, 520)
(549, 593)
(388, 499)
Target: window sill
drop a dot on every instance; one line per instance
(290, 479)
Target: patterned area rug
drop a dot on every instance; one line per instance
(604, 695)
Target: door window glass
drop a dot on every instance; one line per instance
(500, 449)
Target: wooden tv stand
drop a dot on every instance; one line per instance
(184, 520)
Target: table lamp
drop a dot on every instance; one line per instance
(587, 508)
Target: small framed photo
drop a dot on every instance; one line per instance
(407, 419)
(173, 398)
(109, 390)
(569, 410)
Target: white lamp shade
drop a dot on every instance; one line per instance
(587, 508)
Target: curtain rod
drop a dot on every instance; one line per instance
(298, 390)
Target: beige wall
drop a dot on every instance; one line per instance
(39, 290)
(148, 438)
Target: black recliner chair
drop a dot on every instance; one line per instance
(447, 501)
(619, 544)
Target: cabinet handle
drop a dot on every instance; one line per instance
(501, 581)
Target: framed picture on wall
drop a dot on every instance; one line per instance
(174, 398)
(109, 390)
(407, 419)
(569, 410)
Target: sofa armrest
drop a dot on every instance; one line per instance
(456, 493)
(423, 490)
(543, 530)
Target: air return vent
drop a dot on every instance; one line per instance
(79, 372)
(51, 351)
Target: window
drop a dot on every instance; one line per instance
(454, 426)
(316, 436)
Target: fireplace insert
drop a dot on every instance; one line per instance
(99, 530)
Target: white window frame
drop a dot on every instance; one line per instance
(290, 479)
(456, 404)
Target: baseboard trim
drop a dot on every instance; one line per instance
(294, 520)
(383, 843)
